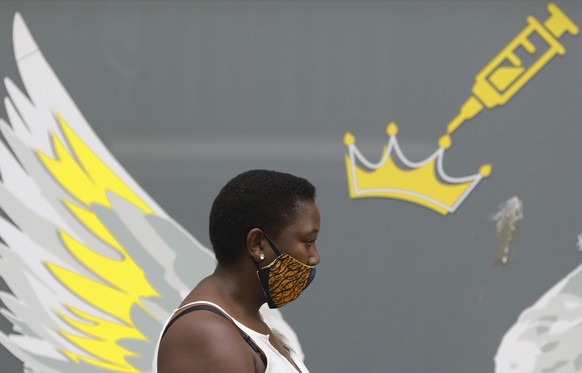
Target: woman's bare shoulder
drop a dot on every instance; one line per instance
(202, 341)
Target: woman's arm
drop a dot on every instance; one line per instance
(204, 342)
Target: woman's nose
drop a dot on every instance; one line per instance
(314, 258)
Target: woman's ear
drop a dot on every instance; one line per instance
(254, 244)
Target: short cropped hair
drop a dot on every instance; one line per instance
(254, 199)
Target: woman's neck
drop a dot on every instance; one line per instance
(237, 287)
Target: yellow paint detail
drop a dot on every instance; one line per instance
(350, 178)
(120, 286)
(103, 334)
(92, 222)
(71, 177)
(485, 170)
(102, 177)
(124, 276)
(117, 283)
(95, 293)
(392, 129)
(469, 110)
(349, 139)
(445, 142)
(504, 76)
(418, 182)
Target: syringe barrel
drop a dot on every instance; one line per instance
(505, 75)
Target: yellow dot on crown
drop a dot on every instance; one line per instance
(445, 142)
(349, 139)
(392, 129)
(485, 170)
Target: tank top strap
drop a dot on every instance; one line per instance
(214, 308)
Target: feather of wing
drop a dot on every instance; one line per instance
(546, 337)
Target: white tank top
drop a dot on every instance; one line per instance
(276, 362)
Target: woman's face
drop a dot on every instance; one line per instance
(298, 238)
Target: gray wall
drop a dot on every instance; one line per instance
(188, 94)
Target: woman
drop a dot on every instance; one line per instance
(263, 228)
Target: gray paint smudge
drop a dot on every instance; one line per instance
(508, 217)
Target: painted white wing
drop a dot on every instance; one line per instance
(93, 264)
(547, 336)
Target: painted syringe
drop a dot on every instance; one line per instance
(505, 75)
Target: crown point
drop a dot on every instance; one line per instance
(349, 139)
(445, 142)
(392, 129)
(485, 170)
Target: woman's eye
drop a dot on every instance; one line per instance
(309, 242)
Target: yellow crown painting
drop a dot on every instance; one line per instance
(426, 183)
(394, 176)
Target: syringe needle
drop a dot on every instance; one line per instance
(468, 111)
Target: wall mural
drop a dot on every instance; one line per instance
(77, 221)
(426, 183)
(547, 335)
(95, 266)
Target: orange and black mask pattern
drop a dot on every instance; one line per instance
(284, 279)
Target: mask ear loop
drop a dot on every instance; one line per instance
(272, 245)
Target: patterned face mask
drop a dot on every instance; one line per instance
(284, 279)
